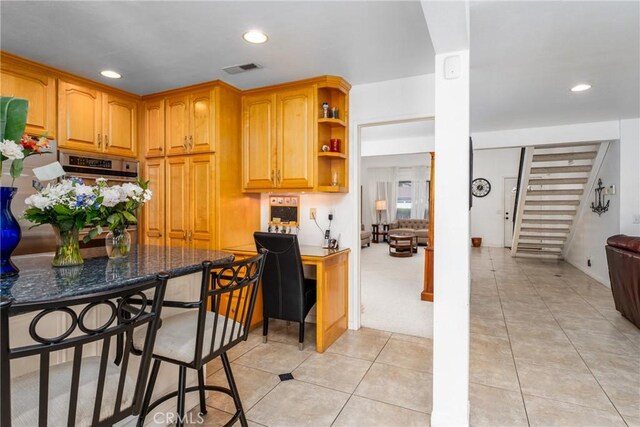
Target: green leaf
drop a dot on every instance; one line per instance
(113, 219)
(132, 219)
(62, 210)
(16, 168)
(13, 117)
(66, 225)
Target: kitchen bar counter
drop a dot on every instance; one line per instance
(38, 281)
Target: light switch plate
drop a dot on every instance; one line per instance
(636, 219)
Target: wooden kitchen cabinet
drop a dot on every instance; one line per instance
(39, 88)
(258, 141)
(283, 134)
(295, 146)
(153, 128)
(153, 215)
(189, 122)
(79, 117)
(120, 132)
(190, 201)
(96, 121)
(278, 140)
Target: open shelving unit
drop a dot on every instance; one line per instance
(333, 167)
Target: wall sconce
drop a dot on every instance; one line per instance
(599, 206)
(381, 205)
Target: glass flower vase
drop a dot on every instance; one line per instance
(67, 248)
(9, 232)
(118, 243)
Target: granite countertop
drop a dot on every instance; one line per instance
(38, 281)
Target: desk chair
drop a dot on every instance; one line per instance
(286, 293)
(86, 391)
(206, 329)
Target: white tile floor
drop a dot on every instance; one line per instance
(547, 349)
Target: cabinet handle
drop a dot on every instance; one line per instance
(184, 142)
(184, 235)
(99, 141)
(273, 173)
(106, 141)
(159, 148)
(190, 142)
(190, 235)
(279, 178)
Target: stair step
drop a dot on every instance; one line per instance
(555, 192)
(542, 237)
(538, 254)
(557, 181)
(526, 245)
(547, 221)
(559, 230)
(583, 155)
(561, 169)
(552, 202)
(549, 212)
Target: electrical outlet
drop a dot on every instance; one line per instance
(636, 219)
(312, 213)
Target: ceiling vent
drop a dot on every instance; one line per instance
(237, 69)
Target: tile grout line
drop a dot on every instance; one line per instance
(495, 281)
(576, 350)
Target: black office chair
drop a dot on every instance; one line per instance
(85, 391)
(206, 329)
(286, 293)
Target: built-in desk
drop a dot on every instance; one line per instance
(332, 276)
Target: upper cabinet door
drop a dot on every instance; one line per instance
(177, 124)
(79, 117)
(153, 128)
(120, 134)
(295, 129)
(258, 141)
(201, 114)
(39, 89)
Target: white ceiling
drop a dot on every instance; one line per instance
(164, 45)
(525, 57)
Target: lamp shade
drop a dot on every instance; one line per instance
(381, 205)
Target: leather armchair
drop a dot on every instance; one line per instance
(623, 258)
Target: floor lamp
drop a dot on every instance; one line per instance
(381, 205)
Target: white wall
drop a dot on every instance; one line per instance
(398, 146)
(592, 230)
(487, 213)
(629, 191)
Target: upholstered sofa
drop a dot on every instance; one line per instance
(418, 226)
(365, 237)
(623, 258)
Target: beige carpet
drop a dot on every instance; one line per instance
(390, 292)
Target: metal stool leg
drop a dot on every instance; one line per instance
(147, 395)
(182, 386)
(203, 401)
(234, 388)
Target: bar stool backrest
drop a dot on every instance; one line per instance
(129, 309)
(230, 291)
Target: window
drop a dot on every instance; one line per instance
(405, 202)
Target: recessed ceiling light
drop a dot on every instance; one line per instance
(581, 87)
(111, 74)
(255, 36)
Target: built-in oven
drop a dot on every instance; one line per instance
(90, 167)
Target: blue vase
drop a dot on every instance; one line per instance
(10, 233)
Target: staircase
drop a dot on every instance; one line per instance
(554, 185)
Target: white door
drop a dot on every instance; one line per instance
(509, 200)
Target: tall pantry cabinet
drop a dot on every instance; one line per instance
(192, 159)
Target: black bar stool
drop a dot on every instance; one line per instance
(86, 391)
(196, 336)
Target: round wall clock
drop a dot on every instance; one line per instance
(480, 187)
